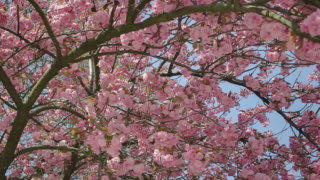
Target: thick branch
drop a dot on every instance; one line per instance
(7, 155)
(72, 165)
(10, 88)
(96, 55)
(111, 20)
(93, 43)
(42, 83)
(130, 12)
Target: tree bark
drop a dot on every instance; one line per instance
(7, 155)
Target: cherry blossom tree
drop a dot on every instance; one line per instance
(131, 89)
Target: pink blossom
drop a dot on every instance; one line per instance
(100, 19)
(272, 30)
(96, 141)
(245, 173)
(311, 24)
(3, 18)
(139, 169)
(128, 164)
(115, 146)
(257, 146)
(166, 160)
(91, 110)
(196, 167)
(261, 176)
(252, 82)
(165, 139)
(252, 20)
(192, 155)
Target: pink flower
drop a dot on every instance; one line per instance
(148, 76)
(139, 169)
(28, 170)
(129, 163)
(257, 146)
(261, 176)
(168, 90)
(252, 20)
(192, 155)
(252, 82)
(311, 24)
(285, 4)
(3, 18)
(272, 30)
(161, 6)
(115, 146)
(91, 110)
(196, 167)
(309, 51)
(246, 173)
(262, 118)
(165, 139)
(165, 159)
(100, 19)
(104, 177)
(97, 141)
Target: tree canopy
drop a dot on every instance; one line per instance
(132, 89)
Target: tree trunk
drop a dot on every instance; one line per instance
(7, 155)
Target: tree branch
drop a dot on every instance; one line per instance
(48, 107)
(315, 3)
(111, 20)
(46, 147)
(42, 83)
(2, 136)
(291, 25)
(258, 2)
(32, 44)
(97, 74)
(39, 124)
(281, 113)
(130, 12)
(84, 86)
(8, 104)
(140, 7)
(72, 165)
(7, 155)
(93, 43)
(47, 25)
(10, 88)
(18, 19)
